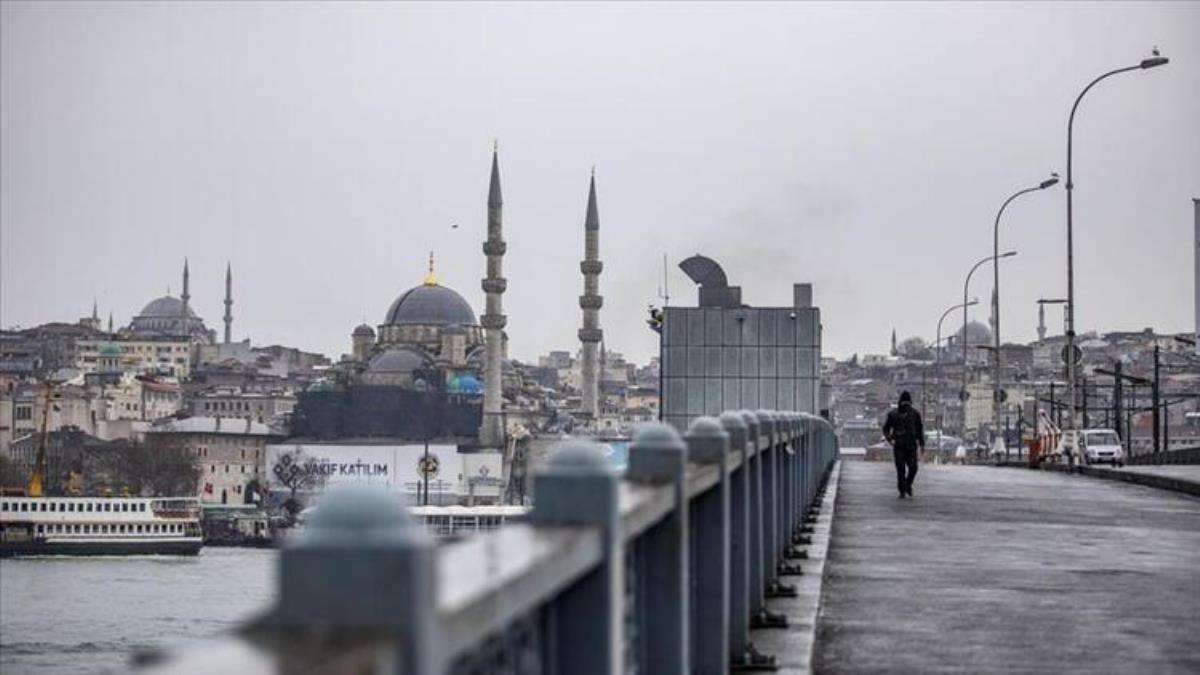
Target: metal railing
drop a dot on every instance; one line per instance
(663, 570)
(1176, 456)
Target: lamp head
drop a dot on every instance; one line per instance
(1154, 62)
(1008, 254)
(1052, 180)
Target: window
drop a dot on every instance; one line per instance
(53, 506)
(89, 506)
(107, 507)
(43, 506)
(70, 506)
(142, 506)
(41, 529)
(24, 506)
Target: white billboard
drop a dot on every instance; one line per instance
(407, 469)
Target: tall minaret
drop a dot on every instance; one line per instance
(228, 302)
(895, 352)
(590, 302)
(110, 322)
(493, 319)
(1041, 322)
(185, 296)
(95, 314)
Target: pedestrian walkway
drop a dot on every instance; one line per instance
(1186, 472)
(1007, 570)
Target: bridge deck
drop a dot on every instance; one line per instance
(1009, 570)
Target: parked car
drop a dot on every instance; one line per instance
(1102, 446)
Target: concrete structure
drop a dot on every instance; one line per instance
(590, 302)
(723, 354)
(225, 402)
(494, 284)
(165, 355)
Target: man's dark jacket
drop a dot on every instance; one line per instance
(903, 427)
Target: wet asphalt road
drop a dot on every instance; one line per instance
(1009, 570)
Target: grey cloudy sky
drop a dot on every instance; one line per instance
(325, 149)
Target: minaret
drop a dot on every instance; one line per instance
(228, 302)
(493, 319)
(590, 302)
(1041, 322)
(95, 313)
(895, 352)
(110, 323)
(185, 296)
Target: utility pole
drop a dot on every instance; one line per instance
(1117, 399)
(1154, 403)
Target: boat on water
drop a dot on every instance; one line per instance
(99, 526)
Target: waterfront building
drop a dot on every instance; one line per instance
(231, 453)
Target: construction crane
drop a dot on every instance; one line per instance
(37, 479)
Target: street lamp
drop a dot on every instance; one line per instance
(1153, 62)
(1052, 180)
(962, 396)
(937, 366)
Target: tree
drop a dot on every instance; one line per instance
(297, 472)
(154, 468)
(914, 348)
(11, 473)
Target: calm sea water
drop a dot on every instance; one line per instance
(87, 615)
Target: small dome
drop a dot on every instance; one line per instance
(430, 304)
(465, 384)
(396, 362)
(109, 349)
(166, 307)
(364, 329)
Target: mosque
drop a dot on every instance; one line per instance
(170, 317)
(429, 340)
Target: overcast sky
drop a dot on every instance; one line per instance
(325, 149)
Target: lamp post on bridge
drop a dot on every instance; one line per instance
(937, 366)
(1153, 62)
(996, 402)
(962, 394)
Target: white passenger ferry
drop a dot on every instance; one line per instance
(99, 526)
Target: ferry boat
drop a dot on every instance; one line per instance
(99, 526)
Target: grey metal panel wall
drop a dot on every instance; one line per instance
(725, 359)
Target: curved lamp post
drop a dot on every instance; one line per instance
(1052, 180)
(937, 366)
(962, 396)
(1153, 62)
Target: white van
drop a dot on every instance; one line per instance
(1102, 446)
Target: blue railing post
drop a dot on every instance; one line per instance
(768, 456)
(576, 486)
(792, 455)
(384, 562)
(760, 617)
(709, 526)
(657, 455)
(741, 652)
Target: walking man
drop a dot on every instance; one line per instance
(903, 429)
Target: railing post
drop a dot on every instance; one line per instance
(760, 617)
(710, 542)
(385, 566)
(792, 455)
(657, 455)
(766, 426)
(741, 652)
(576, 486)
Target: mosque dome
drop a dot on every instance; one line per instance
(166, 307)
(977, 334)
(396, 362)
(430, 304)
(364, 329)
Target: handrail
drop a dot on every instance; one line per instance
(664, 569)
